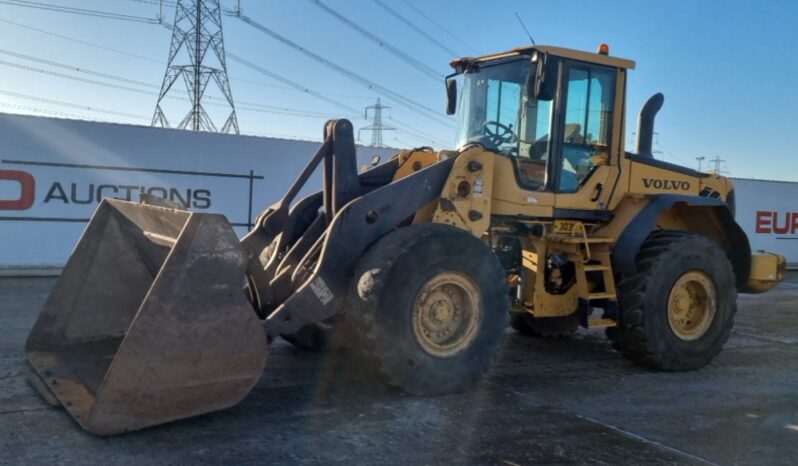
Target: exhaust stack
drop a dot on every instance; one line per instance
(645, 124)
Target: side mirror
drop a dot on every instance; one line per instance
(543, 83)
(451, 96)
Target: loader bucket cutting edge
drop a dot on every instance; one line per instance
(148, 322)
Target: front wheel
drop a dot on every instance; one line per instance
(677, 311)
(431, 307)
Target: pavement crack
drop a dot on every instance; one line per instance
(23, 410)
(645, 440)
(766, 339)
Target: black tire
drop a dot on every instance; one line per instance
(388, 281)
(644, 334)
(612, 335)
(545, 327)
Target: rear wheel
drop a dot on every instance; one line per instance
(678, 310)
(430, 308)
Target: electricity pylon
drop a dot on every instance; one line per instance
(196, 57)
(376, 126)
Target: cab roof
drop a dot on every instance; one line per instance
(597, 58)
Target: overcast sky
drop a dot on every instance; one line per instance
(728, 69)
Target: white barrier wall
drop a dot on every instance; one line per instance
(768, 212)
(53, 173)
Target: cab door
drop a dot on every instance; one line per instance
(587, 141)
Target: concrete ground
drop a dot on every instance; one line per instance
(566, 401)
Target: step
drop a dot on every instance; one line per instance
(593, 296)
(601, 323)
(589, 239)
(596, 268)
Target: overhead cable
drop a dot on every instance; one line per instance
(78, 41)
(68, 104)
(439, 26)
(396, 97)
(252, 105)
(382, 43)
(415, 27)
(78, 11)
(411, 131)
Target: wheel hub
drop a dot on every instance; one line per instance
(442, 311)
(692, 305)
(446, 314)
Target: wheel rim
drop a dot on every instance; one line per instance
(446, 314)
(692, 305)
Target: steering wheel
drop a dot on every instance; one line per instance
(502, 134)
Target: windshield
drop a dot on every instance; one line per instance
(496, 112)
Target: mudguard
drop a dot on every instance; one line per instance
(631, 239)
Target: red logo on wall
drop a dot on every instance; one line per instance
(776, 222)
(26, 193)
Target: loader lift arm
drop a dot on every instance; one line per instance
(312, 248)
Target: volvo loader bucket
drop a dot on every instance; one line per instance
(148, 322)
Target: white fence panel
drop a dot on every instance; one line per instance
(53, 172)
(768, 212)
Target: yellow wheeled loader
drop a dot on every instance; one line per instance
(539, 219)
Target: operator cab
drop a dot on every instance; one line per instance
(551, 110)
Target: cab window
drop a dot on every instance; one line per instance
(587, 126)
(534, 144)
(496, 112)
(503, 101)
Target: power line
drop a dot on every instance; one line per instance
(160, 4)
(78, 41)
(247, 106)
(398, 98)
(679, 159)
(418, 134)
(291, 137)
(73, 78)
(287, 88)
(243, 105)
(250, 106)
(404, 142)
(393, 50)
(160, 62)
(439, 26)
(99, 110)
(56, 64)
(69, 104)
(414, 27)
(289, 82)
(78, 11)
(156, 2)
(49, 112)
